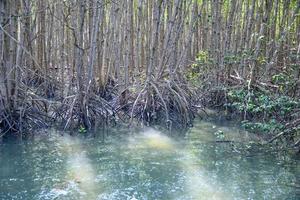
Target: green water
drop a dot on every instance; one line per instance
(148, 164)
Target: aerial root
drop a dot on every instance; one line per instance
(166, 100)
(31, 114)
(97, 109)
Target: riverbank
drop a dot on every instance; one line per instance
(268, 118)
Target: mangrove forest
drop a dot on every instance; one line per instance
(149, 99)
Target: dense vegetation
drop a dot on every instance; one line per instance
(90, 63)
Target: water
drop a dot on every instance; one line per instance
(148, 165)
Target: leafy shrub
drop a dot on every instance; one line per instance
(265, 112)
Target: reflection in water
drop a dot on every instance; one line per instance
(151, 139)
(198, 185)
(80, 173)
(147, 165)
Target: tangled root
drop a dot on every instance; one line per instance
(31, 114)
(165, 100)
(97, 110)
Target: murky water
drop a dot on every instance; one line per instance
(148, 165)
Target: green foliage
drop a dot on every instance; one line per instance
(283, 80)
(82, 130)
(233, 59)
(260, 102)
(219, 134)
(265, 127)
(266, 112)
(262, 60)
(199, 68)
(202, 58)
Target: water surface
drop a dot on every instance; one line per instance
(212, 161)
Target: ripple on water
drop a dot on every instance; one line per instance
(146, 165)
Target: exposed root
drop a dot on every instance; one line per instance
(40, 104)
(98, 111)
(165, 100)
(30, 115)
